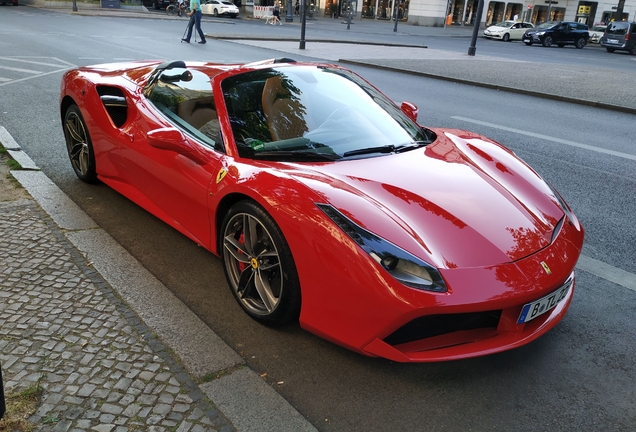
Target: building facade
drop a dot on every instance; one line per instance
(463, 12)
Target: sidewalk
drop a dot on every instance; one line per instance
(109, 346)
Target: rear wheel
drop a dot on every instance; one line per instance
(547, 41)
(258, 264)
(216, 13)
(506, 37)
(632, 50)
(79, 146)
(610, 50)
(580, 43)
(171, 10)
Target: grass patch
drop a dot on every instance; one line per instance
(13, 164)
(20, 405)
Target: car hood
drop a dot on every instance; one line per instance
(462, 201)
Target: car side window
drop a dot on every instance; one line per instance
(185, 97)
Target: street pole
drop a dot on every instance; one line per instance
(290, 16)
(349, 16)
(397, 13)
(303, 21)
(473, 42)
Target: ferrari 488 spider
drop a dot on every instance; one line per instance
(330, 204)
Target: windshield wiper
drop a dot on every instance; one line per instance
(296, 155)
(387, 148)
(381, 149)
(411, 146)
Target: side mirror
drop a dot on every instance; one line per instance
(173, 139)
(410, 110)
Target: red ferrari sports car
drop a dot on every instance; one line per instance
(330, 204)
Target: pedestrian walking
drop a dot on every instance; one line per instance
(195, 19)
(277, 14)
(297, 7)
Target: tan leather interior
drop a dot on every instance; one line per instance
(283, 110)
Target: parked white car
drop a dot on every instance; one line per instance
(596, 33)
(507, 30)
(219, 7)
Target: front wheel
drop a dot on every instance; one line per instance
(216, 13)
(79, 145)
(506, 38)
(547, 41)
(580, 43)
(258, 264)
(171, 10)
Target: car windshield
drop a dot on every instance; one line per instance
(547, 25)
(598, 28)
(505, 24)
(315, 113)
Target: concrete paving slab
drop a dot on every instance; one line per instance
(252, 405)
(66, 214)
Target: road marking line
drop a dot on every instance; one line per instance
(607, 272)
(31, 77)
(5, 79)
(548, 138)
(29, 71)
(15, 59)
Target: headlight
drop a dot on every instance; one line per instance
(563, 205)
(405, 267)
(540, 33)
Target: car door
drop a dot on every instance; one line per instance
(169, 164)
(516, 31)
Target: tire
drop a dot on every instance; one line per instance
(171, 10)
(632, 50)
(610, 50)
(528, 43)
(79, 145)
(216, 13)
(580, 43)
(258, 264)
(506, 37)
(547, 41)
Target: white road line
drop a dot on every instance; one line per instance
(24, 60)
(5, 79)
(28, 78)
(548, 138)
(91, 58)
(608, 272)
(29, 71)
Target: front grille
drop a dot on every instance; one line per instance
(436, 325)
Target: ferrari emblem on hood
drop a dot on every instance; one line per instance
(546, 268)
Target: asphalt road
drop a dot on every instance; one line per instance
(580, 376)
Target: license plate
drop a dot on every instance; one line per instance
(526, 40)
(612, 40)
(537, 308)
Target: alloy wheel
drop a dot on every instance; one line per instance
(78, 145)
(253, 264)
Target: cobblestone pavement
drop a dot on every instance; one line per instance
(62, 326)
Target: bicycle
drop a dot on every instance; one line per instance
(178, 10)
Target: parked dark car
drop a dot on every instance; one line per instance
(620, 36)
(560, 33)
(13, 2)
(157, 4)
